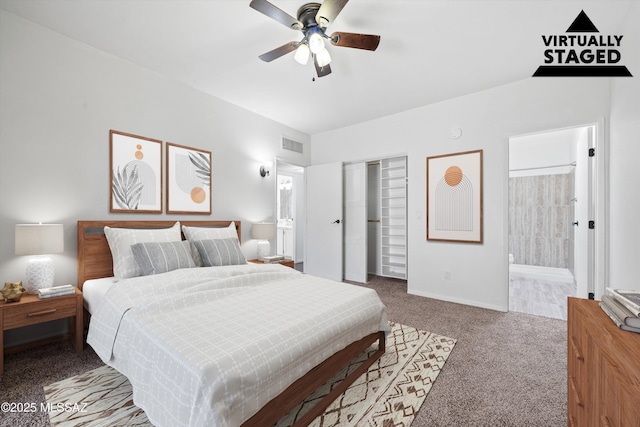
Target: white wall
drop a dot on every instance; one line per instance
(625, 168)
(542, 150)
(59, 99)
(479, 273)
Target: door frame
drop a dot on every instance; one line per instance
(299, 218)
(598, 276)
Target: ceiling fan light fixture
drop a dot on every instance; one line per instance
(302, 54)
(323, 58)
(312, 20)
(316, 43)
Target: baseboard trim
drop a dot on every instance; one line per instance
(462, 301)
(542, 273)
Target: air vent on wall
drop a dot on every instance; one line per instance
(291, 145)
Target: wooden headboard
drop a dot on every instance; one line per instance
(94, 255)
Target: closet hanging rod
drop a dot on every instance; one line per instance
(542, 167)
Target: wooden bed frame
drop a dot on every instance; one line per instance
(95, 261)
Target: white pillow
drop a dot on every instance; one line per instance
(121, 239)
(207, 233)
(210, 233)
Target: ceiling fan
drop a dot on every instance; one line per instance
(312, 20)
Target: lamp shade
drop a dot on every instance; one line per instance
(302, 54)
(323, 57)
(263, 231)
(39, 239)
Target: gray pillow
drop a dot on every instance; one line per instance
(160, 257)
(219, 252)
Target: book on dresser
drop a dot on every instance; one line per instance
(615, 317)
(622, 312)
(627, 297)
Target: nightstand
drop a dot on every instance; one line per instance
(286, 262)
(31, 310)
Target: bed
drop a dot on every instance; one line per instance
(221, 345)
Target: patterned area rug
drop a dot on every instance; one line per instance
(388, 394)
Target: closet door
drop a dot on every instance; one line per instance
(393, 217)
(355, 222)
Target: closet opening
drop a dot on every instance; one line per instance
(375, 219)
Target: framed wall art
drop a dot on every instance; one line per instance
(454, 197)
(188, 180)
(135, 173)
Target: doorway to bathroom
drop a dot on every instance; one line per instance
(290, 213)
(551, 184)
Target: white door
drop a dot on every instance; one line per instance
(323, 194)
(355, 222)
(582, 259)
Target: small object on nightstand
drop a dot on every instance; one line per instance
(12, 292)
(56, 291)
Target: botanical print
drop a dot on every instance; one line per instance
(136, 173)
(454, 197)
(188, 180)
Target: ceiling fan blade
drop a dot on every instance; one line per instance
(266, 8)
(279, 51)
(321, 71)
(329, 11)
(358, 41)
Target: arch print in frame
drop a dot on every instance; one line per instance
(188, 180)
(454, 197)
(135, 173)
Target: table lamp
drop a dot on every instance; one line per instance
(39, 239)
(263, 231)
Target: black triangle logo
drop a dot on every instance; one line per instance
(582, 24)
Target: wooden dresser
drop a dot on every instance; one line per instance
(603, 369)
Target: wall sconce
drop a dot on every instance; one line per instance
(39, 239)
(264, 171)
(263, 231)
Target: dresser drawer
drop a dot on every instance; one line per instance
(42, 311)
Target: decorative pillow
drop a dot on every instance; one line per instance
(160, 257)
(220, 252)
(208, 233)
(121, 239)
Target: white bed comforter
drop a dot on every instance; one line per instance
(211, 346)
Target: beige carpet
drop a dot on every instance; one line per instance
(389, 393)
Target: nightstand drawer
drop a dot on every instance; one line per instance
(45, 310)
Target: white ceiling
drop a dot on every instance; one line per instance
(429, 51)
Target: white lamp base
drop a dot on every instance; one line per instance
(39, 274)
(264, 249)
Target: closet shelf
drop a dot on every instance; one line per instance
(396, 264)
(393, 185)
(392, 245)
